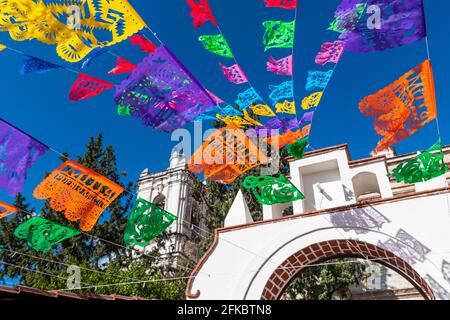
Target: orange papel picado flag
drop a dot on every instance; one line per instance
(226, 154)
(81, 193)
(6, 210)
(403, 107)
(289, 137)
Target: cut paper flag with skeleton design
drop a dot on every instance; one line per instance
(80, 192)
(42, 235)
(386, 24)
(162, 93)
(240, 121)
(201, 12)
(18, 152)
(318, 80)
(75, 28)
(86, 87)
(234, 74)
(7, 210)
(278, 34)
(226, 154)
(145, 223)
(423, 167)
(247, 98)
(217, 44)
(285, 4)
(262, 110)
(271, 190)
(282, 67)
(330, 52)
(287, 107)
(284, 90)
(403, 107)
(312, 101)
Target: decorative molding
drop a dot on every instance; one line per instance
(362, 204)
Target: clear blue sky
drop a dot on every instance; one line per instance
(39, 103)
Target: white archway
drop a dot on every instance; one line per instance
(243, 259)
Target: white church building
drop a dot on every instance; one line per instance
(170, 190)
(353, 209)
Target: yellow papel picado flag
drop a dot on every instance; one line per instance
(74, 26)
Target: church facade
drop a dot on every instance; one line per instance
(352, 209)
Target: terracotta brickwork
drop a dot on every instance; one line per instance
(289, 269)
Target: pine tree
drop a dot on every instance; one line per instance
(10, 244)
(93, 155)
(322, 282)
(101, 250)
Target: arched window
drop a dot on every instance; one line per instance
(160, 201)
(366, 186)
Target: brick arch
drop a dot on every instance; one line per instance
(316, 253)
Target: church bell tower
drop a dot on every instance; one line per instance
(171, 190)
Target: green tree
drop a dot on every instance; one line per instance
(110, 268)
(323, 282)
(106, 263)
(9, 242)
